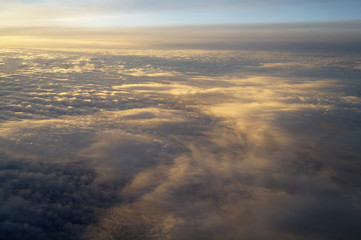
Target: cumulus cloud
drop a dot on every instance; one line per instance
(46, 200)
(233, 184)
(179, 145)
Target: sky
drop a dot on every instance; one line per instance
(138, 23)
(167, 12)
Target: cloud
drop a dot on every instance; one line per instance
(194, 145)
(238, 178)
(322, 36)
(120, 153)
(232, 184)
(49, 200)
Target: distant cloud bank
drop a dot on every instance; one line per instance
(317, 36)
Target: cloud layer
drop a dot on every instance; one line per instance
(313, 36)
(179, 145)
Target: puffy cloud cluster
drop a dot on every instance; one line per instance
(47, 200)
(179, 145)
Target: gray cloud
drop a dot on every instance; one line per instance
(179, 144)
(42, 200)
(315, 36)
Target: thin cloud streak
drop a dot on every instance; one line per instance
(342, 34)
